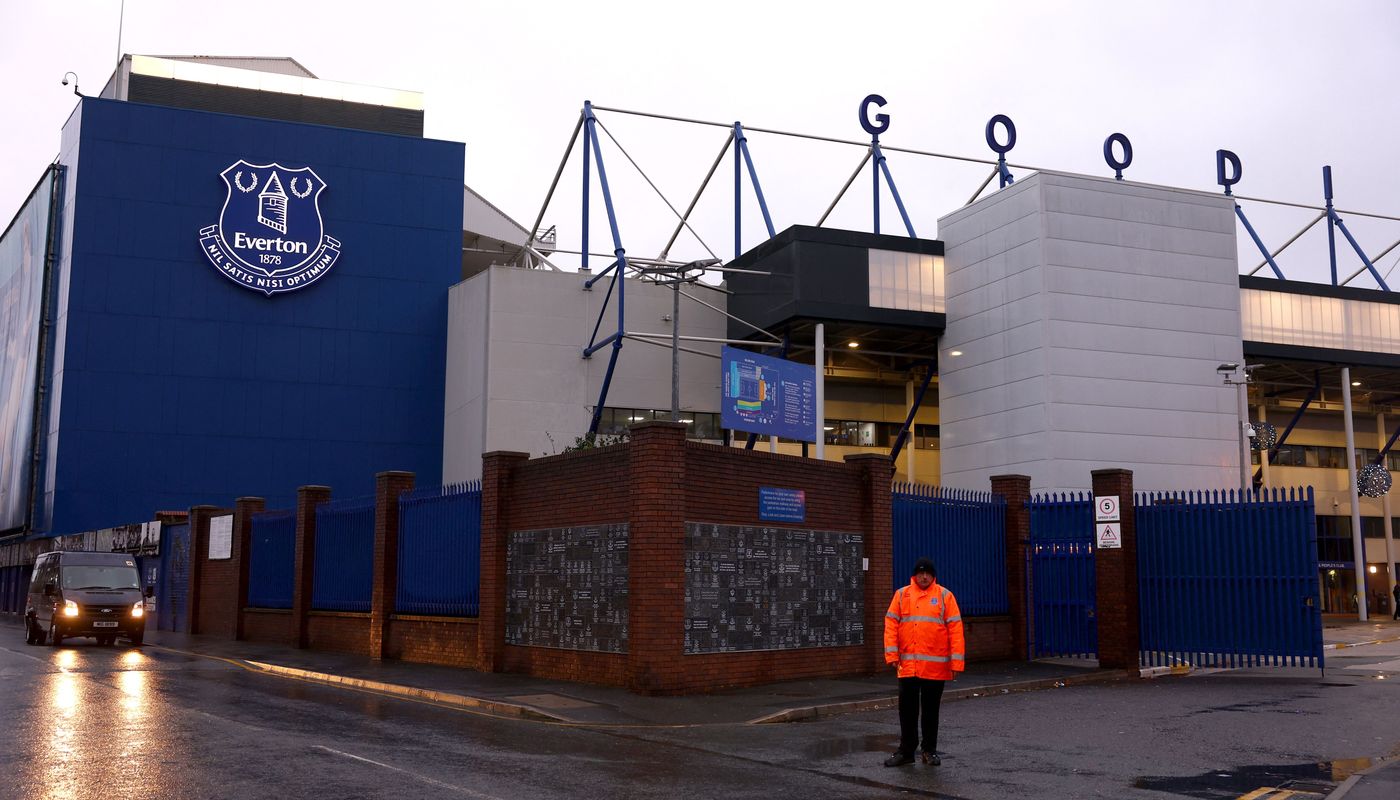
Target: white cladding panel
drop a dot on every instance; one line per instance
(1090, 315)
(464, 407)
(536, 393)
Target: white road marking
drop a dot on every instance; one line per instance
(26, 655)
(414, 775)
(1384, 666)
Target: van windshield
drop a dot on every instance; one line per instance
(92, 576)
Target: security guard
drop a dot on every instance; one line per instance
(924, 639)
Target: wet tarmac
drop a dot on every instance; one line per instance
(85, 721)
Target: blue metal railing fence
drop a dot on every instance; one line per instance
(440, 551)
(14, 588)
(1228, 580)
(271, 559)
(344, 572)
(1061, 569)
(964, 532)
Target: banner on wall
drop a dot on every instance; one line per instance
(768, 396)
(23, 250)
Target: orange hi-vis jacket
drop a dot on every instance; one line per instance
(924, 633)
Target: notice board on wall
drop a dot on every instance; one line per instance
(758, 588)
(768, 396)
(567, 588)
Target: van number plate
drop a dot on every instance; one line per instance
(104, 624)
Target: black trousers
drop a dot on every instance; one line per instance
(919, 696)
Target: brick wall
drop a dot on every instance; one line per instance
(450, 641)
(1115, 578)
(268, 625)
(587, 487)
(215, 583)
(341, 631)
(990, 639)
(656, 483)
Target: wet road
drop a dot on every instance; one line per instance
(91, 722)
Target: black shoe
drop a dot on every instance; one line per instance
(899, 759)
(931, 759)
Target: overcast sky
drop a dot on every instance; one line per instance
(1289, 86)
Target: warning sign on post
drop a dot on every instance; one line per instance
(1108, 535)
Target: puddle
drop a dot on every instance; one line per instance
(834, 748)
(1228, 784)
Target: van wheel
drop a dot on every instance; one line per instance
(29, 637)
(55, 638)
(137, 638)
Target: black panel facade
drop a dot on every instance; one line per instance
(274, 105)
(819, 274)
(567, 588)
(750, 588)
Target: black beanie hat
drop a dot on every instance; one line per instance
(925, 565)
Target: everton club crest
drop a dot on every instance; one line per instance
(269, 237)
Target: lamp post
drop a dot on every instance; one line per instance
(1227, 372)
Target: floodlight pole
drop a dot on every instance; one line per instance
(676, 351)
(681, 277)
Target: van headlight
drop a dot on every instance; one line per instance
(70, 608)
(138, 610)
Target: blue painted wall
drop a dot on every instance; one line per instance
(175, 387)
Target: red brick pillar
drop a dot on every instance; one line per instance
(1016, 491)
(656, 558)
(387, 488)
(1115, 577)
(243, 510)
(876, 472)
(496, 469)
(304, 565)
(199, 554)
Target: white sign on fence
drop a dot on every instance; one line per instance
(221, 537)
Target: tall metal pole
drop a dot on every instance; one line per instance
(1385, 507)
(1263, 451)
(676, 350)
(1242, 410)
(820, 363)
(1359, 556)
(121, 23)
(909, 404)
(875, 179)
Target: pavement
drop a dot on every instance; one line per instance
(591, 705)
(1382, 780)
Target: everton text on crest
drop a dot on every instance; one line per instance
(269, 237)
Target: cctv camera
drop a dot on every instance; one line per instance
(1249, 431)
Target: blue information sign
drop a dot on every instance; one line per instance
(782, 505)
(768, 395)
